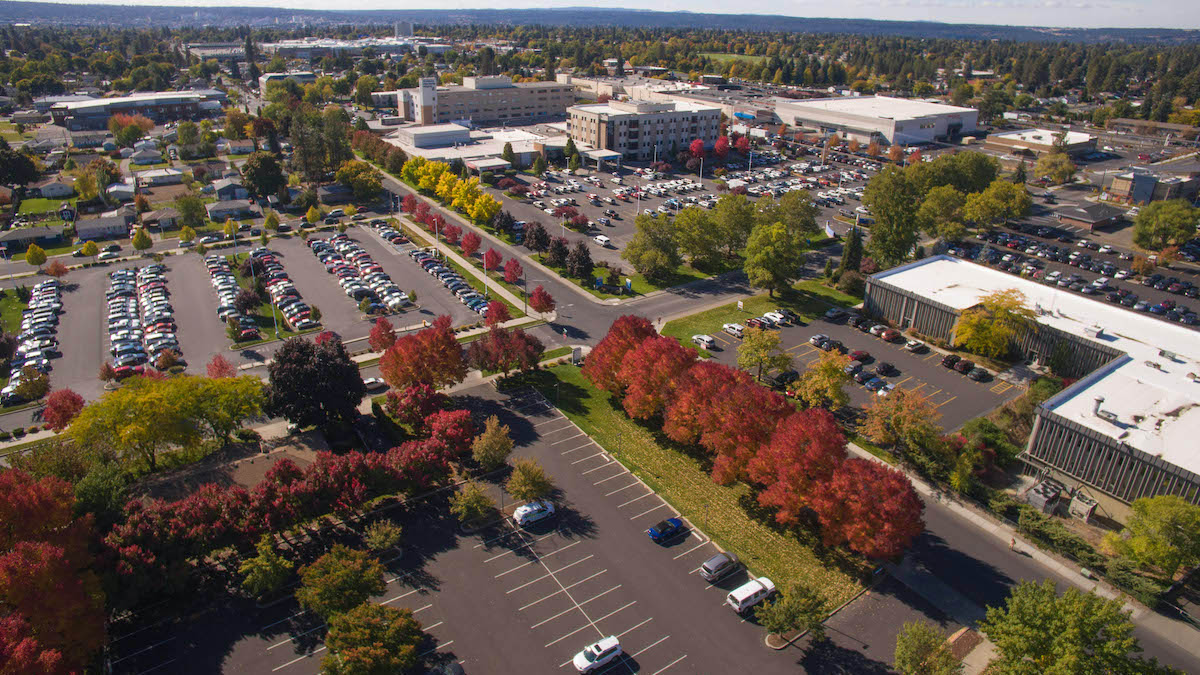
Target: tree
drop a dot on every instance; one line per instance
(541, 301)
(471, 503)
(941, 213)
(539, 165)
(649, 374)
(795, 209)
(313, 215)
(492, 447)
(537, 239)
(268, 571)
(921, 649)
(191, 213)
(1021, 175)
(62, 406)
(805, 450)
(760, 350)
(733, 217)
(1040, 631)
(35, 255)
(313, 384)
(141, 240)
(430, 356)
(604, 363)
(34, 384)
(382, 535)
(1165, 223)
(654, 252)
(491, 259)
(90, 249)
(415, 405)
(470, 244)
(382, 335)
(579, 261)
(372, 639)
(773, 257)
(1001, 200)
(220, 367)
(989, 328)
(141, 204)
(497, 313)
(271, 222)
(852, 252)
(339, 581)
(246, 302)
(187, 133)
(505, 350)
(894, 201)
(263, 174)
(823, 384)
(868, 507)
(557, 254)
(16, 168)
(575, 162)
(904, 419)
(528, 481)
(56, 269)
(799, 608)
(693, 233)
(1057, 166)
(1162, 532)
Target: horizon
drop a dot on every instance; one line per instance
(1077, 14)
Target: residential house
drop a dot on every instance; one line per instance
(161, 177)
(164, 219)
(55, 187)
(228, 189)
(334, 194)
(235, 208)
(88, 139)
(1090, 216)
(145, 144)
(236, 147)
(122, 192)
(104, 227)
(19, 238)
(146, 156)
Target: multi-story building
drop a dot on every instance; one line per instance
(879, 118)
(301, 78)
(1126, 428)
(162, 106)
(640, 130)
(480, 101)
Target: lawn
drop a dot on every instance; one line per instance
(8, 131)
(266, 314)
(809, 299)
(10, 311)
(37, 205)
(476, 283)
(722, 57)
(786, 556)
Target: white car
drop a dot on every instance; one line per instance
(108, 255)
(1121, 274)
(374, 383)
(596, 656)
(533, 512)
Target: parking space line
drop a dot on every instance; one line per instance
(1001, 388)
(904, 380)
(635, 500)
(592, 623)
(630, 630)
(945, 402)
(618, 475)
(548, 574)
(650, 646)
(293, 638)
(151, 670)
(557, 419)
(590, 442)
(402, 595)
(540, 558)
(588, 457)
(932, 394)
(565, 588)
(311, 654)
(918, 387)
(648, 511)
(609, 494)
(423, 608)
(610, 462)
(572, 609)
(522, 408)
(669, 665)
(568, 438)
(703, 543)
(430, 651)
(144, 650)
(433, 626)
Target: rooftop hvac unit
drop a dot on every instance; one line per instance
(1045, 495)
(1082, 507)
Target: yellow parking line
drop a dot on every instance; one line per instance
(945, 402)
(932, 356)
(809, 363)
(933, 393)
(1001, 388)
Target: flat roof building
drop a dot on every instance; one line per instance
(160, 106)
(300, 77)
(879, 119)
(448, 142)
(1041, 141)
(481, 101)
(638, 130)
(1127, 428)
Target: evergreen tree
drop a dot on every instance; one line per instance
(853, 251)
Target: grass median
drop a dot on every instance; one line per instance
(809, 299)
(730, 515)
(266, 315)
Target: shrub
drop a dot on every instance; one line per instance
(382, 535)
(19, 432)
(4, 435)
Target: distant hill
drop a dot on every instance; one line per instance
(123, 15)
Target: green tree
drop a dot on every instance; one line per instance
(921, 649)
(653, 251)
(187, 133)
(760, 351)
(1039, 631)
(339, 581)
(1057, 166)
(141, 240)
(268, 571)
(263, 174)
(90, 249)
(823, 384)
(191, 211)
(773, 257)
(271, 222)
(799, 608)
(989, 327)
(382, 535)
(894, 201)
(35, 255)
(1001, 200)
(313, 215)
(575, 162)
(1021, 175)
(372, 639)
(471, 503)
(697, 237)
(795, 209)
(492, 447)
(539, 165)
(852, 253)
(508, 155)
(941, 213)
(1165, 223)
(1161, 532)
(733, 217)
(528, 481)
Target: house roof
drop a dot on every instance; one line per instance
(103, 222)
(31, 232)
(226, 183)
(160, 214)
(1090, 213)
(230, 205)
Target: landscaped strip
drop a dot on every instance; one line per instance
(809, 299)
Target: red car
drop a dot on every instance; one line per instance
(128, 371)
(859, 355)
(890, 335)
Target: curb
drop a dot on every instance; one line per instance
(788, 643)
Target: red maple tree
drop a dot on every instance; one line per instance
(430, 356)
(604, 362)
(505, 350)
(470, 244)
(453, 428)
(721, 147)
(451, 233)
(382, 335)
(696, 148)
(512, 270)
(742, 145)
(409, 204)
(541, 301)
(497, 313)
(414, 405)
(649, 373)
(492, 259)
(62, 405)
(805, 450)
(870, 508)
(220, 366)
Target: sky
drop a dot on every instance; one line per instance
(1045, 13)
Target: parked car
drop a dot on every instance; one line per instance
(915, 346)
(949, 360)
(719, 566)
(533, 512)
(750, 594)
(704, 341)
(964, 366)
(664, 530)
(597, 655)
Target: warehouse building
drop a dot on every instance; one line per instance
(300, 77)
(1127, 428)
(479, 101)
(640, 130)
(879, 119)
(1039, 142)
(161, 106)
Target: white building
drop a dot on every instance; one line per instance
(881, 119)
(480, 100)
(448, 142)
(300, 77)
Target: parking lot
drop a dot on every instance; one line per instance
(956, 397)
(549, 590)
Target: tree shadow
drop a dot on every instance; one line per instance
(978, 581)
(828, 657)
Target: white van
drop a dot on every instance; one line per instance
(602, 240)
(750, 594)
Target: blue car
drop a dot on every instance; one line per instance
(665, 530)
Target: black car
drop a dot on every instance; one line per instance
(111, 248)
(978, 374)
(864, 376)
(884, 369)
(949, 360)
(964, 366)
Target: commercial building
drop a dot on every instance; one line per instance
(162, 106)
(880, 119)
(316, 48)
(479, 148)
(1150, 128)
(1041, 141)
(1177, 178)
(1092, 216)
(1127, 428)
(638, 130)
(301, 78)
(480, 101)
